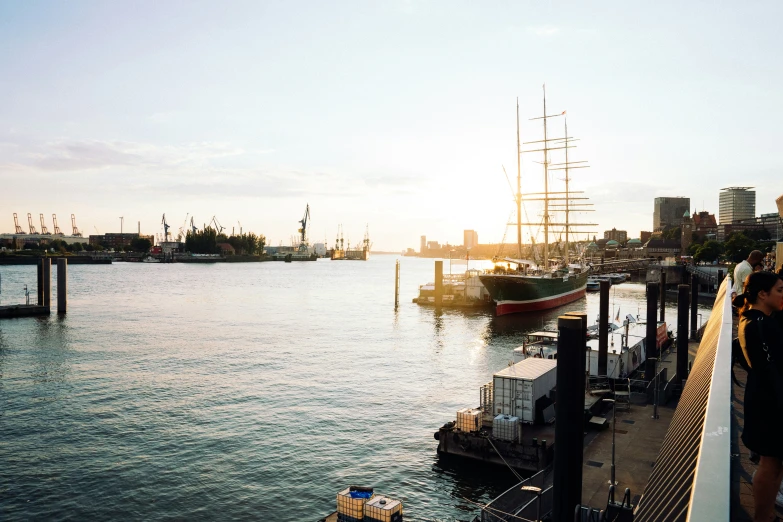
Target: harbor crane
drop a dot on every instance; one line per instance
(44, 230)
(57, 231)
(303, 228)
(16, 224)
(183, 229)
(30, 224)
(76, 231)
(218, 226)
(193, 226)
(166, 227)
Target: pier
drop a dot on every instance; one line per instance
(44, 292)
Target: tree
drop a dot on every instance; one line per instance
(672, 233)
(141, 244)
(708, 252)
(738, 246)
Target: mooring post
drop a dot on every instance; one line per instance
(47, 283)
(682, 333)
(694, 303)
(603, 328)
(397, 285)
(652, 330)
(663, 294)
(583, 317)
(567, 480)
(62, 284)
(40, 287)
(438, 283)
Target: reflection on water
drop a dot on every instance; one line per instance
(247, 391)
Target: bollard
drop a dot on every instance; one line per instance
(396, 284)
(567, 481)
(583, 317)
(62, 283)
(47, 283)
(603, 328)
(438, 283)
(40, 287)
(694, 303)
(652, 328)
(663, 295)
(682, 333)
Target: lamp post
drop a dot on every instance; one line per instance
(612, 481)
(537, 491)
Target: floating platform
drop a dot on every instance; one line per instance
(474, 304)
(72, 260)
(13, 311)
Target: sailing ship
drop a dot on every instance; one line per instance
(528, 286)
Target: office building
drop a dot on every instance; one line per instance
(470, 239)
(423, 247)
(668, 212)
(621, 236)
(736, 204)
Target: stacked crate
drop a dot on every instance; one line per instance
(383, 509)
(469, 419)
(506, 427)
(351, 502)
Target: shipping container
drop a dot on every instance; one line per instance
(383, 509)
(517, 388)
(469, 419)
(506, 427)
(350, 503)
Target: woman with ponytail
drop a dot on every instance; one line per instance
(761, 339)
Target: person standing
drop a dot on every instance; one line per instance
(743, 270)
(761, 340)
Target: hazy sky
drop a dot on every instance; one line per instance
(396, 114)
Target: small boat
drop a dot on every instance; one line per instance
(616, 278)
(150, 259)
(362, 503)
(593, 284)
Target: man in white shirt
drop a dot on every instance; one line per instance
(743, 270)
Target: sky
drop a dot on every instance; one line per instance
(399, 116)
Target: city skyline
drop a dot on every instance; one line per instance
(397, 116)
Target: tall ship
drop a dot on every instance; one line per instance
(524, 285)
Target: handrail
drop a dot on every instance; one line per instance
(711, 483)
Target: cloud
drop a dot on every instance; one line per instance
(544, 30)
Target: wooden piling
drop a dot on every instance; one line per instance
(40, 288)
(438, 283)
(682, 332)
(603, 328)
(694, 303)
(567, 480)
(47, 283)
(663, 294)
(62, 285)
(652, 329)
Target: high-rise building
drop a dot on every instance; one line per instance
(470, 239)
(735, 204)
(621, 236)
(423, 244)
(668, 212)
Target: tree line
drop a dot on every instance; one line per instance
(206, 241)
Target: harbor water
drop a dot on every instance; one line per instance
(247, 391)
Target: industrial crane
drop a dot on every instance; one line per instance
(166, 227)
(30, 224)
(44, 230)
(16, 224)
(73, 224)
(218, 226)
(193, 226)
(183, 229)
(57, 231)
(303, 228)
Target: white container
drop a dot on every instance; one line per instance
(383, 509)
(469, 419)
(351, 509)
(518, 387)
(506, 427)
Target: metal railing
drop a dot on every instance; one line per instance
(520, 503)
(704, 275)
(691, 478)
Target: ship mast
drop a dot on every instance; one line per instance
(546, 190)
(567, 211)
(519, 191)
